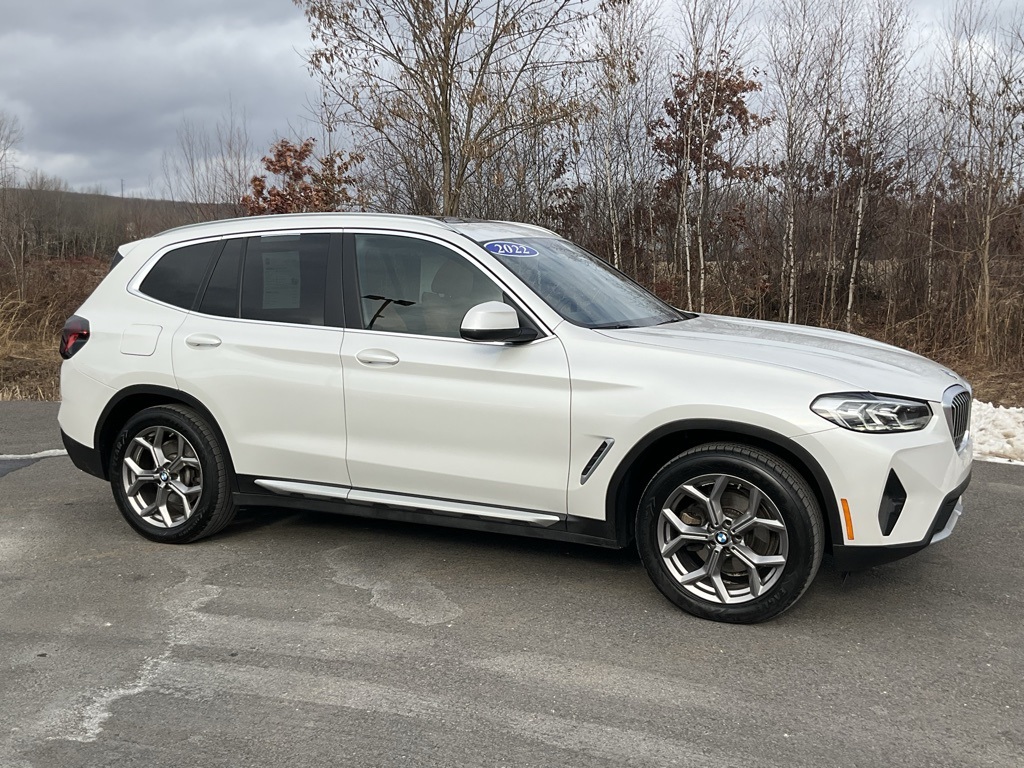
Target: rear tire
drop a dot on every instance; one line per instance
(170, 476)
(730, 533)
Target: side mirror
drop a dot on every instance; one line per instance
(494, 321)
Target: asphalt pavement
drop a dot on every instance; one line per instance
(306, 639)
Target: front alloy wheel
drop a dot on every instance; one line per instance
(731, 533)
(722, 539)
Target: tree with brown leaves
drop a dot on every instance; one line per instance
(325, 184)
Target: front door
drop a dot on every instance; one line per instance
(431, 414)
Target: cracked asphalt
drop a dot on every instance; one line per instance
(306, 639)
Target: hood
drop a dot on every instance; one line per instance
(863, 365)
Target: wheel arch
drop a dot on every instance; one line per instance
(129, 401)
(660, 446)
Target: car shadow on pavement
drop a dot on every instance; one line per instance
(253, 519)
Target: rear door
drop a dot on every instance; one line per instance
(262, 352)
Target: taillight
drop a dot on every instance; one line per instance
(74, 336)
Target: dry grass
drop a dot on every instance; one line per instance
(30, 330)
(28, 350)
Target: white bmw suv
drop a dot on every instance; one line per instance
(494, 376)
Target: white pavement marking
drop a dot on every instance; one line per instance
(28, 456)
(184, 602)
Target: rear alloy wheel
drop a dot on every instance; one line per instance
(170, 476)
(730, 533)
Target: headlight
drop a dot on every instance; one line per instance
(865, 412)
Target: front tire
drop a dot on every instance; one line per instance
(730, 533)
(170, 476)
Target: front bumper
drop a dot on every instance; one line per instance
(854, 558)
(892, 494)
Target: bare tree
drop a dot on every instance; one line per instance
(12, 240)
(871, 138)
(795, 33)
(832, 100)
(521, 181)
(932, 131)
(10, 136)
(208, 170)
(626, 82)
(440, 87)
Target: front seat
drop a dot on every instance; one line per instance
(455, 289)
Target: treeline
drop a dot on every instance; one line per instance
(830, 162)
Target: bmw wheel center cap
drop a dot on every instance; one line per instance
(722, 537)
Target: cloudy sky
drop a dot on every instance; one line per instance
(100, 87)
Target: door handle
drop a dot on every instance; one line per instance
(378, 358)
(202, 341)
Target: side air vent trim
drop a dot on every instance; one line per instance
(596, 459)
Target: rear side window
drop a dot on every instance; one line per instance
(285, 278)
(176, 278)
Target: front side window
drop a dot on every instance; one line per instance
(176, 278)
(408, 285)
(284, 279)
(579, 286)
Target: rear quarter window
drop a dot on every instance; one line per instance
(176, 278)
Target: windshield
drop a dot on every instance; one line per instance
(579, 286)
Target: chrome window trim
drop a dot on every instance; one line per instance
(134, 285)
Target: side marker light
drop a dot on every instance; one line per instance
(849, 520)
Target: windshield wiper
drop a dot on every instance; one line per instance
(684, 315)
(622, 326)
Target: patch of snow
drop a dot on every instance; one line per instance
(998, 432)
